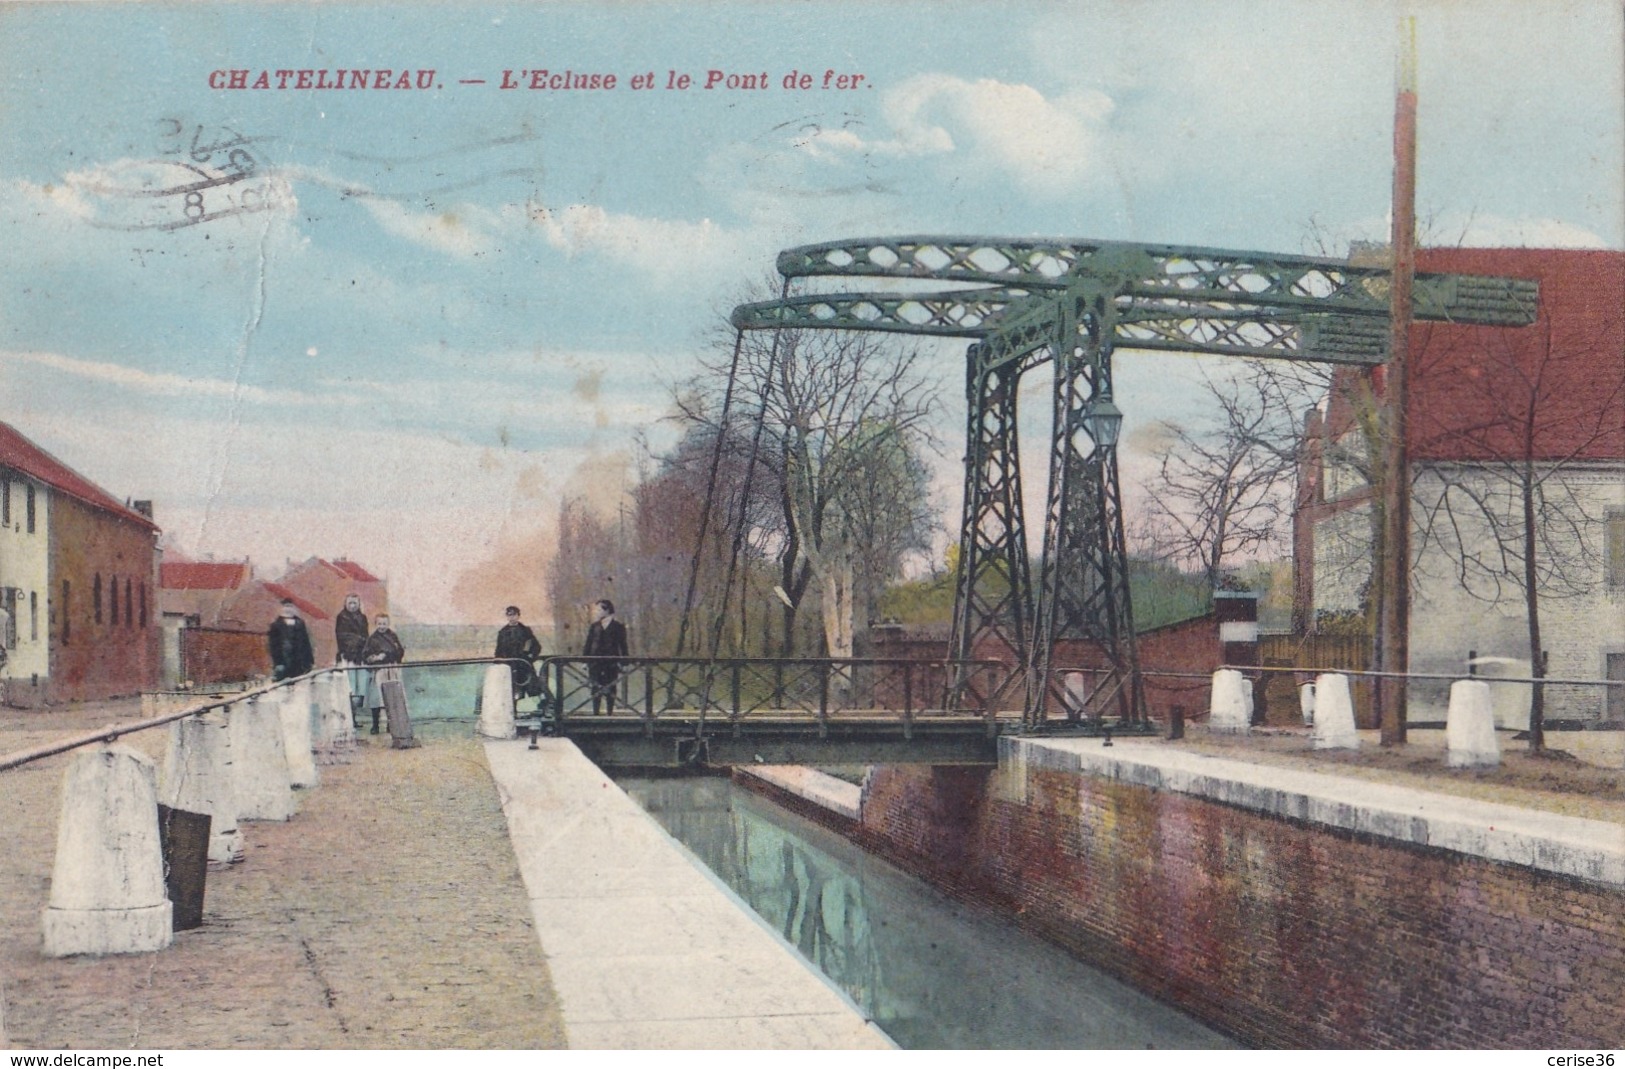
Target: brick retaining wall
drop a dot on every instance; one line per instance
(1280, 932)
(214, 655)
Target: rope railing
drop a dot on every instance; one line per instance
(558, 664)
(113, 732)
(1435, 676)
(740, 686)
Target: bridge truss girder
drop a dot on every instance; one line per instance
(1072, 303)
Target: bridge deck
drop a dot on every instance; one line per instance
(684, 737)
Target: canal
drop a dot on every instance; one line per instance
(931, 972)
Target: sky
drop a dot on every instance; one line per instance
(400, 324)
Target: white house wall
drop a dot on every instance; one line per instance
(1342, 561)
(1582, 617)
(1580, 626)
(25, 566)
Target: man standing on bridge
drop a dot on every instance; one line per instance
(517, 644)
(605, 638)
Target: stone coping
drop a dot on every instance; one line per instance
(1592, 850)
(809, 784)
(645, 947)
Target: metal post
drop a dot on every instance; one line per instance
(823, 699)
(648, 702)
(908, 699)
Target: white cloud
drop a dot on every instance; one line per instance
(157, 195)
(553, 403)
(669, 249)
(53, 199)
(1047, 145)
(1491, 231)
(464, 231)
(162, 383)
(1473, 230)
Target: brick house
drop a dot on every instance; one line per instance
(197, 648)
(326, 583)
(198, 589)
(80, 576)
(259, 602)
(1491, 410)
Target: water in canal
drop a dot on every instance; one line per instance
(930, 972)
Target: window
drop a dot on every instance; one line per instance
(143, 606)
(30, 508)
(5, 501)
(129, 605)
(112, 598)
(33, 616)
(1614, 557)
(67, 617)
(96, 598)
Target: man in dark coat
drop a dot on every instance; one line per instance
(605, 638)
(291, 655)
(517, 644)
(383, 648)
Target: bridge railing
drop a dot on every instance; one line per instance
(655, 687)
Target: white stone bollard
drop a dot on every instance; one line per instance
(1306, 703)
(198, 778)
(314, 689)
(1469, 730)
(1231, 709)
(496, 703)
(1334, 714)
(337, 736)
(260, 760)
(293, 705)
(107, 884)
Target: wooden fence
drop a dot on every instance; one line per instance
(1312, 653)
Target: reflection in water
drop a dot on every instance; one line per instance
(931, 972)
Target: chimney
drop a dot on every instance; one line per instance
(143, 507)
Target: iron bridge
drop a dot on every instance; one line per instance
(692, 711)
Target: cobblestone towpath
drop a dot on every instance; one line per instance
(389, 913)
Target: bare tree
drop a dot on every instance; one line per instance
(834, 423)
(705, 522)
(1223, 490)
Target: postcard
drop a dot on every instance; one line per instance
(458, 300)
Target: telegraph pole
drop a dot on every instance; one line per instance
(1393, 626)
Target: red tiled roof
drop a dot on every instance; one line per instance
(283, 593)
(20, 454)
(1472, 387)
(355, 571)
(202, 575)
(1475, 391)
